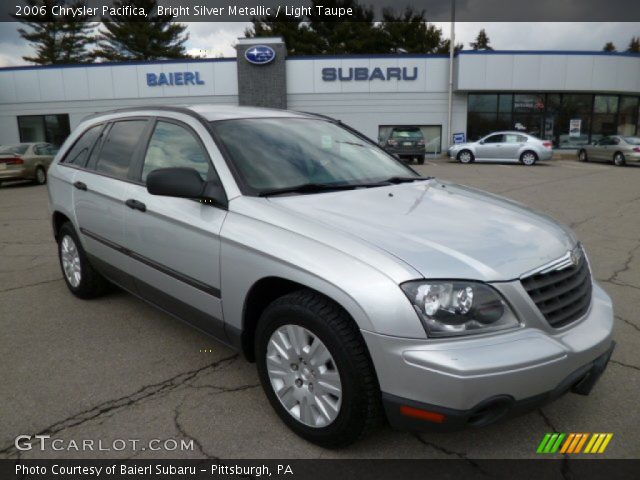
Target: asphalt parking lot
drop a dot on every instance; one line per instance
(115, 368)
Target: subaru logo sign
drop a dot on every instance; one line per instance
(260, 54)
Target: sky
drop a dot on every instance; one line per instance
(218, 38)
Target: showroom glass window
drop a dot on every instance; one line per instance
(483, 115)
(569, 120)
(628, 115)
(52, 129)
(431, 134)
(605, 112)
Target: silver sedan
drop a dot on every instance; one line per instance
(504, 146)
(617, 149)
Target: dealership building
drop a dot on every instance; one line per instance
(569, 97)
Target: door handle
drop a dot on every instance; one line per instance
(80, 185)
(136, 205)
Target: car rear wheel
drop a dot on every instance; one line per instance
(315, 369)
(618, 159)
(582, 156)
(79, 275)
(421, 160)
(528, 158)
(41, 176)
(465, 156)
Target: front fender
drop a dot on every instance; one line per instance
(252, 250)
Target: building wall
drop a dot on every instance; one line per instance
(84, 90)
(548, 72)
(366, 104)
(366, 111)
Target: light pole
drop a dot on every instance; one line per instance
(452, 48)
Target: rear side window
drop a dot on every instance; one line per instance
(514, 138)
(80, 151)
(119, 147)
(172, 145)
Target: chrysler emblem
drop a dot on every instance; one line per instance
(575, 255)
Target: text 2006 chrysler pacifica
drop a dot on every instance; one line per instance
(359, 288)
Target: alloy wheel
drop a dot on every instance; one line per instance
(304, 376)
(528, 158)
(465, 157)
(70, 261)
(41, 177)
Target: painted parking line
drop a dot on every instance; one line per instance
(581, 166)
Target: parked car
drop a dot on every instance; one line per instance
(504, 146)
(356, 285)
(407, 143)
(26, 161)
(616, 148)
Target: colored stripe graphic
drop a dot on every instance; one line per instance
(598, 442)
(573, 443)
(551, 443)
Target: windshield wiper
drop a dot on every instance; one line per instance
(396, 180)
(307, 188)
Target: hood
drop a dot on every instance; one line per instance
(440, 229)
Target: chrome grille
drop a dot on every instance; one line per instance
(563, 295)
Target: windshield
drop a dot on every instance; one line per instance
(13, 149)
(632, 140)
(277, 153)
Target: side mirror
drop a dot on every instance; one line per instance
(481, 142)
(185, 183)
(175, 182)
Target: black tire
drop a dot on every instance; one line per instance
(619, 160)
(462, 157)
(40, 176)
(92, 284)
(421, 160)
(525, 154)
(582, 156)
(360, 409)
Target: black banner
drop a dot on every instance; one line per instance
(339, 10)
(462, 469)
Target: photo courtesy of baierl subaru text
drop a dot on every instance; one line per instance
(319, 239)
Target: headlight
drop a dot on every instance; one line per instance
(459, 307)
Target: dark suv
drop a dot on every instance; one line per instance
(407, 143)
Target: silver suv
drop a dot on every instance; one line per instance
(504, 146)
(360, 288)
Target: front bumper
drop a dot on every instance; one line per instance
(462, 374)
(581, 381)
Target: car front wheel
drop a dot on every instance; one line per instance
(315, 369)
(465, 156)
